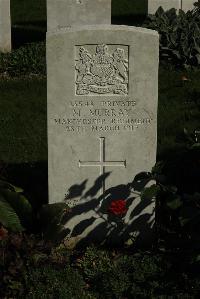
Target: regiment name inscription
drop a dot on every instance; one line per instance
(94, 116)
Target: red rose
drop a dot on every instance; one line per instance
(118, 207)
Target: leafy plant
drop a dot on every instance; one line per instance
(197, 5)
(179, 35)
(50, 218)
(15, 209)
(178, 211)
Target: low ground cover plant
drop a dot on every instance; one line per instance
(29, 60)
(33, 268)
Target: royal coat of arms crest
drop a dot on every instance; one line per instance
(102, 72)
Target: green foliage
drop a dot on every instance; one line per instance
(128, 7)
(119, 275)
(178, 208)
(94, 263)
(28, 11)
(23, 111)
(15, 210)
(50, 219)
(17, 215)
(149, 192)
(114, 283)
(47, 282)
(14, 251)
(142, 269)
(100, 270)
(191, 140)
(31, 268)
(197, 5)
(8, 216)
(179, 35)
(27, 60)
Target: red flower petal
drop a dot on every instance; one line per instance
(118, 207)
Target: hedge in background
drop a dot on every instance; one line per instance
(179, 35)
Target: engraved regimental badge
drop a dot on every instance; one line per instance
(101, 69)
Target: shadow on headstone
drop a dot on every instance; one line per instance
(90, 220)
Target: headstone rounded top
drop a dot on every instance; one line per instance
(102, 27)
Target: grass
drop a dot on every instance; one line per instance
(28, 11)
(129, 7)
(23, 129)
(28, 19)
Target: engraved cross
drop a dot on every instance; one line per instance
(102, 163)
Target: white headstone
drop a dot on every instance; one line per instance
(102, 115)
(67, 13)
(188, 4)
(185, 5)
(5, 26)
(153, 5)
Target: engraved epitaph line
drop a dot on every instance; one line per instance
(102, 163)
